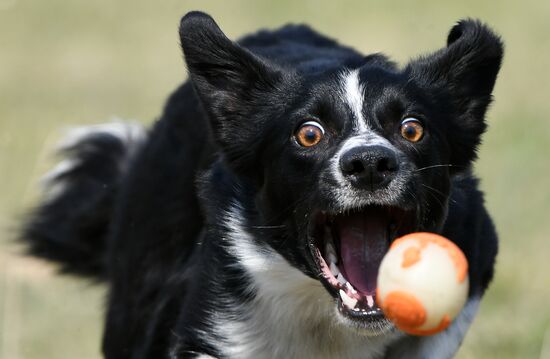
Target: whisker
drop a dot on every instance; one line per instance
(434, 191)
(434, 166)
(267, 227)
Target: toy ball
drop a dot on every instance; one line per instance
(422, 283)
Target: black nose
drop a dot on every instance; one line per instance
(369, 167)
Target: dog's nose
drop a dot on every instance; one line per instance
(369, 167)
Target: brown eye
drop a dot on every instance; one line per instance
(309, 134)
(411, 130)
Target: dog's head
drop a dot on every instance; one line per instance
(344, 159)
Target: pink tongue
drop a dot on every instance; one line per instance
(363, 243)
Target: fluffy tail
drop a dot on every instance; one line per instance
(71, 224)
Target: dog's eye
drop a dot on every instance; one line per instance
(309, 134)
(411, 129)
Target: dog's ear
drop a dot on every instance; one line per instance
(466, 69)
(232, 83)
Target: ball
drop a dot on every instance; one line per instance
(422, 283)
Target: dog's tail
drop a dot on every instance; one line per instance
(71, 224)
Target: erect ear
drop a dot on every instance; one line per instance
(232, 83)
(467, 68)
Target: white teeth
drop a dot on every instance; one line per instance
(341, 278)
(332, 257)
(348, 302)
(349, 286)
(334, 269)
(370, 301)
(331, 253)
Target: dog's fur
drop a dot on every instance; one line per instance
(200, 226)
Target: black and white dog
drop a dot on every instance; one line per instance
(270, 189)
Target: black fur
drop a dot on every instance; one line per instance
(71, 227)
(157, 233)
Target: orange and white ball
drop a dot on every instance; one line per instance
(422, 283)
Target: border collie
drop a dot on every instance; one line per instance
(250, 220)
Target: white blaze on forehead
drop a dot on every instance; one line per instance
(365, 139)
(352, 94)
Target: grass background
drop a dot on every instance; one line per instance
(69, 62)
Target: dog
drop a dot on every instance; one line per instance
(250, 220)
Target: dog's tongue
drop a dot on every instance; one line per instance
(363, 244)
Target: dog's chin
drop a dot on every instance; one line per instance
(346, 248)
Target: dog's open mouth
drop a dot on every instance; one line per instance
(348, 249)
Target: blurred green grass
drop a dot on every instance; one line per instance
(65, 63)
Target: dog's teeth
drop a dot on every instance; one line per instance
(341, 278)
(334, 269)
(350, 287)
(331, 252)
(331, 256)
(348, 302)
(370, 301)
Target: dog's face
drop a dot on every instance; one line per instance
(345, 160)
